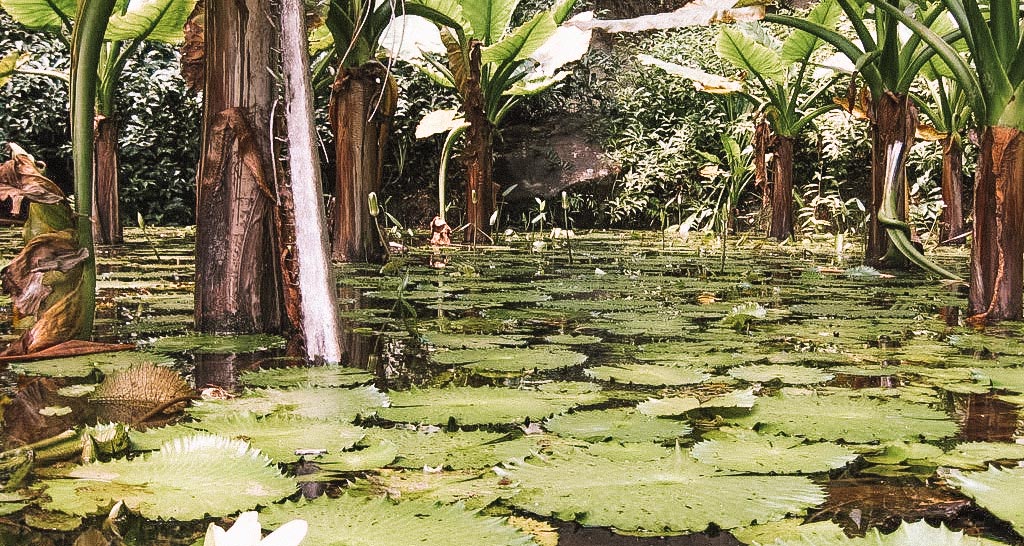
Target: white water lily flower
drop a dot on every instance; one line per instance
(247, 532)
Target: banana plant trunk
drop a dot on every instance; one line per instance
(997, 250)
(363, 100)
(106, 227)
(238, 281)
(951, 225)
(781, 227)
(481, 199)
(893, 124)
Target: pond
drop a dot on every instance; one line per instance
(639, 391)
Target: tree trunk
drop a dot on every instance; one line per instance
(238, 283)
(319, 304)
(997, 250)
(481, 199)
(782, 188)
(893, 123)
(106, 227)
(363, 100)
(951, 226)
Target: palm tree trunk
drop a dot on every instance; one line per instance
(951, 227)
(782, 188)
(106, 227)
(481, 199)
(997, 250)
(893, 123)
(363, 100)
(238, 282)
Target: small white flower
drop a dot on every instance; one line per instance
(247, 532)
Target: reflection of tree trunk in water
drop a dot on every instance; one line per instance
(238, 283)
(481, 199)
(363, 100)
(106, 213)
(216, 371)
(357, 349)
(893, 123)
(782, 188)
(997, 248)
(951, 226)
(985, 418)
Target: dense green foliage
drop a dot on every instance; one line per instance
(160, 136)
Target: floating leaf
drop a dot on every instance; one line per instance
(480, 406)
(760, 454)
(510, 360)
(908, 534)
(312, 402)
(280, 436)
(460, 450)
(378, 521)
(670, 495)
(847, 417)
(471, 341)
(996, 490)
(818, 532)
(189, 478)
(569, 339)
(679, 405)
(974, 455)
(789, 375)
(316, 376)
(620, 425)
(217, 343)
(648, 374)
(83, 366)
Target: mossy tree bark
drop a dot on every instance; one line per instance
(997, 250)
(238, 279)
(781, 227)
(363, 99)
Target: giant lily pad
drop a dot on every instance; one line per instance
(848, 417)
(670, 495)
(679, 405)
(312, 402)
(790, 375)
(317, 376)
(483, 405)
(217, 344)
(648, 374)
(189, 478)
(510, 360)
(280, 437)
(760, 454)
(370, 521)
(83, 366)
(460, 450)
(996, 490)
(908, 534)
(621, 425)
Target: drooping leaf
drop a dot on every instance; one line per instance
(746, 54)
(620, 425)
(369, 521)
(567, 44)
(488, 19)
(40, 14)
(848, 417)
(703, 81)
(800, 44)
(760, 454)
(158, 20)
(669, 495)
(187, 479)
(311, 402)
(8, 63)
(483, 405)
(701, 12)
(648, 374)
(522, 42)
(439, 121)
